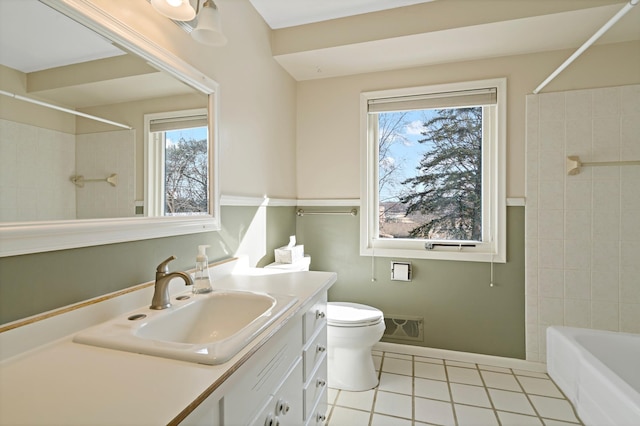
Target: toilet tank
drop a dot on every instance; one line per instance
(301, 265)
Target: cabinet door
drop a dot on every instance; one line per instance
(205, 414)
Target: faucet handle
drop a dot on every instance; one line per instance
(164, 266)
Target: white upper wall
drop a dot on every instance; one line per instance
(257, 97)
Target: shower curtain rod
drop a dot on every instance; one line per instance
(626, 8)
(67, 110)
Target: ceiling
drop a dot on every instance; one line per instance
(449, 32)
(288, 13)
(322, 38)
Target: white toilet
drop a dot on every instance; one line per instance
(352, 330)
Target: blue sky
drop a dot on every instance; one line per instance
(197, 133)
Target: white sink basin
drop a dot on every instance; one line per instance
(208, 328)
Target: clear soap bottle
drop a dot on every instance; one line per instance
(202, 282)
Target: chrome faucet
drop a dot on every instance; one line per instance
(163, 278)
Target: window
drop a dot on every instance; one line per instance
(433, 183)
(178, 158)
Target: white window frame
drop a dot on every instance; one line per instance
(155, 162)
(493, 246)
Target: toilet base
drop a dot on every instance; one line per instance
(351, 369)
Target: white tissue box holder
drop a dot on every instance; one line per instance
(289, 254)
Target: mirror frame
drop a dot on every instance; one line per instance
(18, 238)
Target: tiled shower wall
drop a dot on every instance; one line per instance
(99, 155)
(35, 166)
(582, 231)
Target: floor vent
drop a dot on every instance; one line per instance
(402, 327)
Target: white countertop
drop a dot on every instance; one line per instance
(67, 383)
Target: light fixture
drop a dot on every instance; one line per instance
(209, 31)
(207, 19)
(178, 10)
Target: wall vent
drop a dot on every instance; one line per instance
(402, 327)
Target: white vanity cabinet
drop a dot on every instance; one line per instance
(314, 360)
(285, 381)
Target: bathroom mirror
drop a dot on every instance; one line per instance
(83, 179)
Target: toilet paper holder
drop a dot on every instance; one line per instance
(400, 271)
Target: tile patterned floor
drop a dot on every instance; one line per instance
(417, 390)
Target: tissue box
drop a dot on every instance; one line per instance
(289, 254)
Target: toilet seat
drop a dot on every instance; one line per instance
(343, 314)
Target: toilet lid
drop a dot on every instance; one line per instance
(352, 314)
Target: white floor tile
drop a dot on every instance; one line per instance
(494, 368)
(553, 408)
(430, 411)
(475, 416)
(464, 375)
(382, 420)
(460, 364)
(530, 374)
(545, 387)
(549, 422)
(414, 390)
(396, 383)
(518, 419)
(357, 400)
(393, 404)
(332, 394)
(377, 361)
(427, 359)
(433, 389)
(500, 381)
(471, 395)
(397, 355)
(430, 371)
(347, 417)
(511, 401)
(397, 366)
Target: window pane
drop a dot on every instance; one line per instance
(186, 172)
(430, 174)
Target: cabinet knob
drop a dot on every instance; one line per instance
(272, 420)
(320, 314)
(321, 383)
(321, 348)
(282, 407)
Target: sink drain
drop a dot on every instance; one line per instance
(183, 297)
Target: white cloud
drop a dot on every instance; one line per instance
(414, 128)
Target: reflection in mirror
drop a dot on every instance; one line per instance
(74, 134)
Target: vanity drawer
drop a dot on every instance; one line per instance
(316, 388)
(314, 351)
(257, 383)
(315, 317)
(319, 412)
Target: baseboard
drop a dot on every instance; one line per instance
(496, 361)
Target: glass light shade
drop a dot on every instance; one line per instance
(178, 10)
(209, 31)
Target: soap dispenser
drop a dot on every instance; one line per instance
(202, 282)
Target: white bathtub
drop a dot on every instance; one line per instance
(599, 371)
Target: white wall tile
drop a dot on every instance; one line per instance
(596, 260)
(552, 106)
(577, 224)
(605, 315)
(629, 100)
(577, 284)
(630, 317)
(606, 102)
(577, 313)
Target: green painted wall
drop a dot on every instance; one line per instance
(35, 283)
(461, 311)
